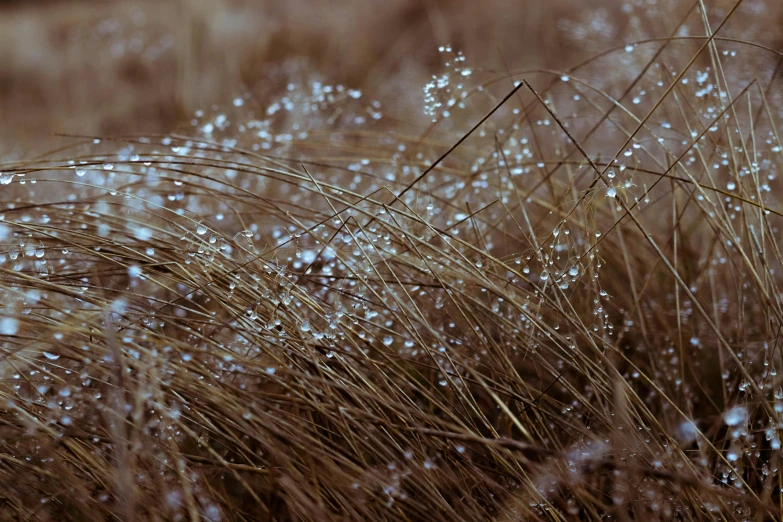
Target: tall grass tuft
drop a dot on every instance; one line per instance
(559, 301)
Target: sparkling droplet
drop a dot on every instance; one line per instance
(736, 415)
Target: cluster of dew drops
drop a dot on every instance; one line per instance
(211, 240)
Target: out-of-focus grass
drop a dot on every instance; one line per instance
(143, 66)
(347, 271)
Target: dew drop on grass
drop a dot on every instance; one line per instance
(733, 454)
(51, 356)
(8, 326)
(736, 415)
(688, 432)
(143, 233)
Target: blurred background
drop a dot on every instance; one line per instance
(105, 67)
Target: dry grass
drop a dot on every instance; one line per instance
(559, 300)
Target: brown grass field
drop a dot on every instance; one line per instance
(414, 260)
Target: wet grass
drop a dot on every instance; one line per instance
(558, 301)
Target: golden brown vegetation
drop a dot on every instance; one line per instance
(553, 296)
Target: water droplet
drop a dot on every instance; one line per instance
(736, 415)
(732, 455)
(688, 432)
(143, 233)
(8, 326)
